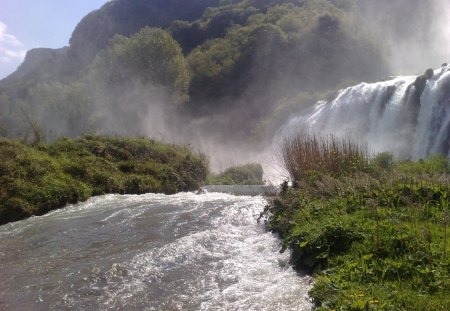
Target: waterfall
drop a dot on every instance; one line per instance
(408, 116)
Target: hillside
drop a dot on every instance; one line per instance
(242, 58)
(229, 70)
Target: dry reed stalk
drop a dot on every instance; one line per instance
(308, 153)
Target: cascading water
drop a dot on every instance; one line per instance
(408, 116)
(149, 252)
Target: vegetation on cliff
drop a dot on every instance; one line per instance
(374, 232)
(245, 62)
(35, 179)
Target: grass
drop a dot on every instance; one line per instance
(307, 154)
(35, 179)
(247, 174)
(375, 237)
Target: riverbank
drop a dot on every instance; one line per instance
(374, 237)
(35, 179)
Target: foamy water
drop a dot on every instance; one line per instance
(149, 252)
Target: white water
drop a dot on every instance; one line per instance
(149, 252)
(385, 116)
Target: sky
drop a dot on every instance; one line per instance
(28, 24)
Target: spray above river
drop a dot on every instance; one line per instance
(149, 252)
(408, 116)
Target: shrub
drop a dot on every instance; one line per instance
(383, 160)
(247, 174)
(308, 154)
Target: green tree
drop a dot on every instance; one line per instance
(212, 65)
(149, 57)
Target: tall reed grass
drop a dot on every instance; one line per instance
(307, 154)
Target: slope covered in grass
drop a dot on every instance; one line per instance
(40, 178)
(375, 236)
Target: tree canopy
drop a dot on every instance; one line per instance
(149, 57)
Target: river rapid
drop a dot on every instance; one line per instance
(150, 252)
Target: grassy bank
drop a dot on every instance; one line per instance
(37, 179)
(247, 174)
(373, 232)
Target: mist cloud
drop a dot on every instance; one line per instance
(414, 33)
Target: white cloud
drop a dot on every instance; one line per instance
(11, 49)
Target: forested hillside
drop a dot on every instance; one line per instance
(177, 68)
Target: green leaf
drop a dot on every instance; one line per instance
(322, 256)
(359, 305)
(367, 257)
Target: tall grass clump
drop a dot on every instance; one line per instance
(309, 154)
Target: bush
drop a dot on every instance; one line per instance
(308, 155)
(248, 174)
(383, 160)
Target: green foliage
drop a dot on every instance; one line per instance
(149, 57)
(435, 163)
(37, 179)
(125, 17)
(383, 160)
(376, 239)
(214, 23)
(315, 45)
(247, 174)
(241, 56)
(212, 65)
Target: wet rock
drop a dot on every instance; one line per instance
(419, 84)
(429, 73)
(390, 90)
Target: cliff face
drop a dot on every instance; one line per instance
(400, 25)
(126, 17)
(40, 63)
(94, 31)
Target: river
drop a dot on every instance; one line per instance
(150, 252)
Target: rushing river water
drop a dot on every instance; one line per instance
(149, 252)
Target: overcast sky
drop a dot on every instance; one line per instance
(28, 24)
